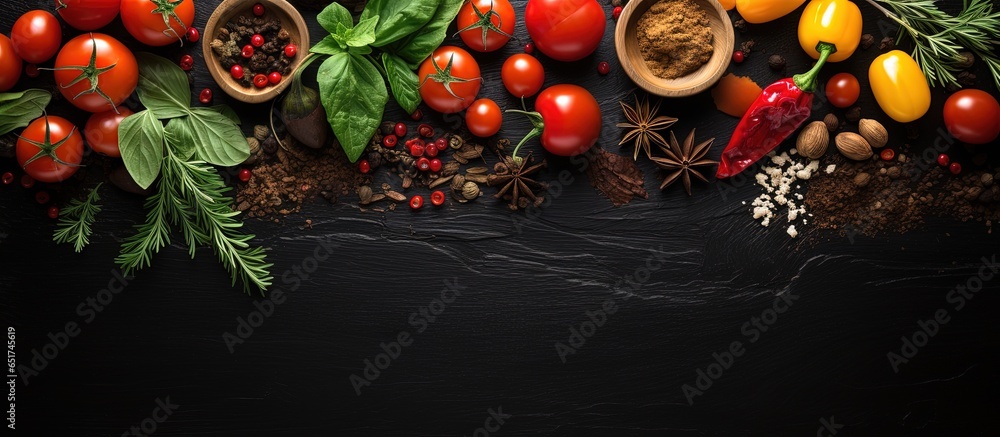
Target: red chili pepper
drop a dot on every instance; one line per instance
(777, 113)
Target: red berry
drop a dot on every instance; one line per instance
(423, 164)
(257, 40)
(364, 166)
(258, 9)
(417, 150)
(8, 178)
(31, 70)
(27, 181)
(260, 81)
(192, 34)
(437, 198)
(42, 197)
(290, 51)
(436, 165)
(943, 160)
(247, 51)
(245, 174)
(955, 168)
(616, 12)
(529, 48)
(274, 78)
(738, 56)
(431, 150)
(887, 154)
(441, 144)
(186, 63)
(53, 212)
(400, 130)
(425, 130)
(389, 141)
(603, 68)
(417, 115)
(416, 202)
(205, 96)
(236, 71)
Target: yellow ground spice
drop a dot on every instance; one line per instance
(674, 38)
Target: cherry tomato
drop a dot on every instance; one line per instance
(236, 71)
(568, 118)
(36, 36)
(522, 75)
(101, 131)
(193, 35)
(205, 96)
(258, 9)
(186, 63)
(257, 40)
(260, 81)
(274, 77)
(50, 149)
(87, 15)
(247, 51)
(843, 90)
(972, 116)
(565, 30)
(459, 70)
(290, 51)
(150, 27)
(484, 118)
(486, 25)
(10, 64)
(117, 83)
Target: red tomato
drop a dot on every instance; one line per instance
(486, 25)
(565, 30)
(570, 119)
(449, 80)
(87, 15)
(10, 64)
(843, 90)
(50, 149)
(150, 27)
(522, 75)
(36, 36)
(101, 131)
(117, 83)
(484, 118)
(972, 116)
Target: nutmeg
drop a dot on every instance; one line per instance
(813, 140)
(853, 146)
(873, 132)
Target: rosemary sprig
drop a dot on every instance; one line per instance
(938, 37)
(75, 220)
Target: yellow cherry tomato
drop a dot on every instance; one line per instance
(728, 4)
(762, 11)
(836, 22)
(899, 86)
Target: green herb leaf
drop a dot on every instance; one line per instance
(163, 86)
(179, 135)
(334, 14)
(140, 138)
(342, 34)
(403, 81)
(327, 46)
(216, 139)
(75, 220)
(18, 109)
(354, 96)
(417, 46)
(228, 112)
(364, 33)
(399, 18)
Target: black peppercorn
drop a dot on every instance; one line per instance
(776, 62)
(888, 43)
(853, 114)
(867, 40)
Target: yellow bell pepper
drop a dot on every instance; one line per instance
(762, 11)
(836, 22)
(899, 86)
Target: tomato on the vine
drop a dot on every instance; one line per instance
(146, 20)
(101, 83)
(101, 131)
(36, 36)
(484, 118)
(972, 116)
(843, 90)
(565, 30)
(50, 149)
(522, 75)
(568, 119)
(449, 79)
(87, 15)
(486, 25)
(10, 64)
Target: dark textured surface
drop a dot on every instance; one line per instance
(526, 281)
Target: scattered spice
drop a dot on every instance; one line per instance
(832, 122)
(735, 94)
(682, 161)
(867, 41)
(675, 38)
(643, 123)
(779, 181)
(740, 25)
(747, 46)
(853, 114)
(615, 176)
(887, 43)
(776, 62)
(516, 187)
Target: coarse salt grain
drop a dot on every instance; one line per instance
(830, 168)
(777, 181)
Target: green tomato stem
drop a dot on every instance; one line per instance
(539, 126)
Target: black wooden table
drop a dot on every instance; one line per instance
(668, 316)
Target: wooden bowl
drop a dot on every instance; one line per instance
(627, 45)
(230, 9)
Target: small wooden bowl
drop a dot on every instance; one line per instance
(230, 9)
(627, 45)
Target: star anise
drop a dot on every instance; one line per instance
(644, 124)
(681, 160)
(515, 186)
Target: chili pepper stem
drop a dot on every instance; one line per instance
(807, 81)
(539, 125)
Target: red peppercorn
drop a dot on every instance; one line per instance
(431, 150)
(887, 154)
(245, 174)
(258, 9)
(400, 130)
(42, 197)
(236, 71)
(955, 168)
(31, 70)
(291, 50)
(943, 160)
(205, 96)
(603, 68)
(260, 81)
(8, 178)
(257, 40)
(192, 34)
(437, 198)
(616, 12)
(389, 141)
(53, 212)
(274, 78)
(186, 63)
(247, 51)
(417, 115)
(364, 166)
(425, 130)
(529, 48)
(441, 144)
(416, 202)
(738, 56)
(27, 181)
(423, 164)
(436, 165)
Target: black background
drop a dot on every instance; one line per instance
(527, 281)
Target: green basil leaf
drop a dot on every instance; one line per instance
(179, 136)
(18, 109)
(333, 15)
(140, 138)
(354, 96)
(342, 34)
(217, 140)
(363, 50)
(327, 46)
(398, 18)
(417, 46)
(163, 86)
(364, 33)
(229, 112)
(403, 81)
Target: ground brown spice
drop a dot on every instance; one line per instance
(674, 38)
